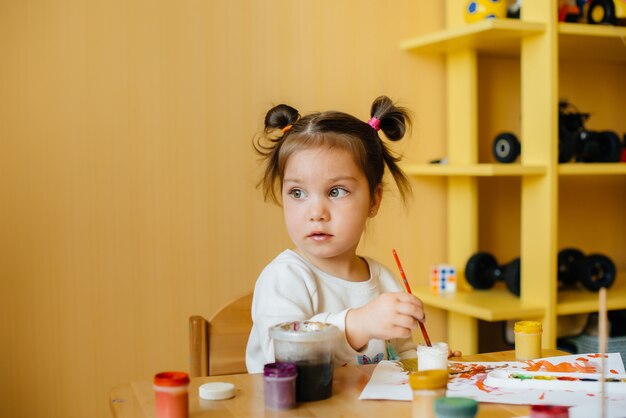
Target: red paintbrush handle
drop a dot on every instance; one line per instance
(425, 334)
(408, 290)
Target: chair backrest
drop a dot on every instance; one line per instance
(218, 346)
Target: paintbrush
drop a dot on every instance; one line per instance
(474, 371)
(603, 331)
(408, 290)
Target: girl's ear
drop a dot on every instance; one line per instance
(376, 199)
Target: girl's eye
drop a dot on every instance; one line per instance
(338, 192)
(296, 193)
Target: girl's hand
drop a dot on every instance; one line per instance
(390, 315)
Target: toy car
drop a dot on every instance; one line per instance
(606, 11)
(477, 10)
(574, 140)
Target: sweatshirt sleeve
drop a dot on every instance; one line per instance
(342, 348)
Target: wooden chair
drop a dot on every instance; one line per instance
(218, 346)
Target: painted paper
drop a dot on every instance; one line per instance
(467, 379)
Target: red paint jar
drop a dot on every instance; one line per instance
(549, 411)
(280, 385)
(171, 391)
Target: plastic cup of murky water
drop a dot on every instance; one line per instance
(310, 345)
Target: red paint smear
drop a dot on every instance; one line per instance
(543, 395)
(591, 395)
(473, 370)
(598, 355)
(561, 367)
(613, 371)
(581, 359)
(480, 384)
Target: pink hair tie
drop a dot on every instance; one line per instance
(374, 122)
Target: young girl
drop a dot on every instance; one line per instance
(326, 171)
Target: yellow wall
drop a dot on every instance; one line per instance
(127, 197)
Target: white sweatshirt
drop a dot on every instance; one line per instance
(292, 289)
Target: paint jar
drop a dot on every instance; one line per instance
(432, 358)
(171, 391)
(427, 386)
(310, 345)
(549, 411)
(527, 340)
(456, 408)
(279, 384)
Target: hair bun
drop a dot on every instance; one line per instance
(280, 116)
(393, 119)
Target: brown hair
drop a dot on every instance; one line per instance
(287, 132)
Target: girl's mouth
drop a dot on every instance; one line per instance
(319, 236)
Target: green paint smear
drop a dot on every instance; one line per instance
(521, 376)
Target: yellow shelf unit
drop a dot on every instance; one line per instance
(592, 42)
(577, 301)
(477, 170)
(504, 37)
(540, 42)
(496, 304)
(492, 36)
(592, 169)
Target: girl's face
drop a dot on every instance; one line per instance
(326, 202)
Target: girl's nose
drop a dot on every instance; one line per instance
(318, 212)
(317, 217)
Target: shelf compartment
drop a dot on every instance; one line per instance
(576, 301)
(490, 36)
(592, 42)
(496, 304)
(477, 170)
(591, 169)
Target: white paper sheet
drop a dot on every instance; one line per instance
(390, 381)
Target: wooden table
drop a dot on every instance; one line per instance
(136, 399)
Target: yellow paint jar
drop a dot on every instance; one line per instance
(527, 340)
(427, 386)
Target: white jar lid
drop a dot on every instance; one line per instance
(216, 391)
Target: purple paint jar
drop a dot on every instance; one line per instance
(280, 385)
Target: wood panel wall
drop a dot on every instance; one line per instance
(127, 176)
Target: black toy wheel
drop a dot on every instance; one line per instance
(481, 271)
(506, 147)
(596, 271)
(601, 11)
(565, 262)
(610, 147)
(512, 276)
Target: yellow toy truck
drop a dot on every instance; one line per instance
(606, 11)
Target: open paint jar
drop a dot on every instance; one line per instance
(527, 340)
(310, 346)
(432, 358)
